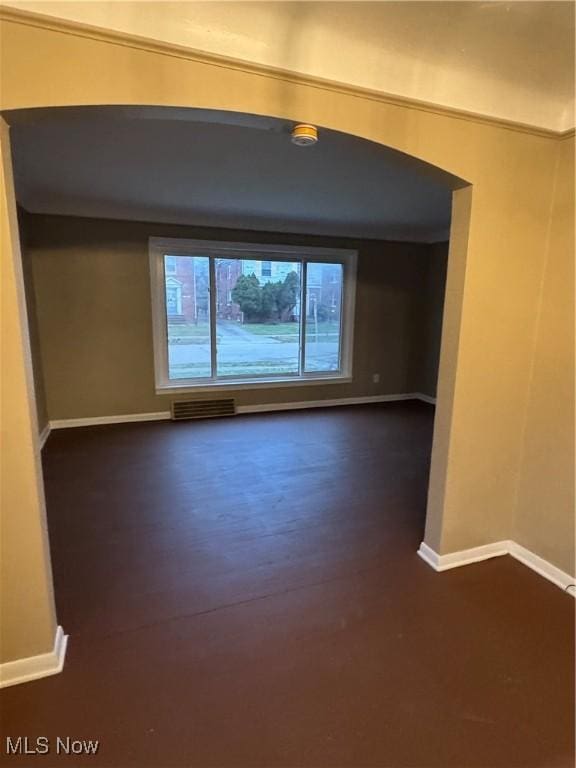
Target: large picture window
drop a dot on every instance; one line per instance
(231, 314)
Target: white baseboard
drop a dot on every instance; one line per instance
(96, 420)
(43, 436)
(543, 567)
(265, 407)
(92, 421)
(425, 398)
(463, 557)
(497, 549)
(35, 667)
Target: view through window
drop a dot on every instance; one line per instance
(187, 286)
(233, 318)
(257, 317)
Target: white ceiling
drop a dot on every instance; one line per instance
(221, 169)
(512, 60)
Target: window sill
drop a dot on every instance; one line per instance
(168, 389)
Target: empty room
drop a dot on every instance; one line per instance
(287, 385)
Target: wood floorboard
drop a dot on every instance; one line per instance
(245, 593)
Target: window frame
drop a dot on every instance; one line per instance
(159, 247)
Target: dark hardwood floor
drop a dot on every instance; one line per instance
(246, 592)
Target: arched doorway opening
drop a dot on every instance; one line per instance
(88, 161)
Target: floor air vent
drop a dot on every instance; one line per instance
(202, 409)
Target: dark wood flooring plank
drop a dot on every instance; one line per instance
(246, 593)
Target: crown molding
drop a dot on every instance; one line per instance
(113, 37)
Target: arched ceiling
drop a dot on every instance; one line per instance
(221, 169)
(509, 60)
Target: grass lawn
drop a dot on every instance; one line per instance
(258, 367)
(291, 331)
(272, 329)
(192, 333)
(188, 333)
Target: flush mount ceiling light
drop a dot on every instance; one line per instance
(304, 135)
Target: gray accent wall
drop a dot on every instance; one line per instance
(427, 349)
(38, 374)
(88, 289)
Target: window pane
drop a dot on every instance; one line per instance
(323, 313)
(257, 317)
(186, 280)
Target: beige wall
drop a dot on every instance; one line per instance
(92, 296)
(544, 516)
(494, 268)
(459, 54)
(27, 615)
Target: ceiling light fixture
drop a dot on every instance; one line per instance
(304, 135)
